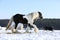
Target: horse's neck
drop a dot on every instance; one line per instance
(29, 18)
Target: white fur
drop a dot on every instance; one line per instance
(30, 17)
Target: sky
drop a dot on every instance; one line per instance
(48, 8)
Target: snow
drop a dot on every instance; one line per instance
(42, 35)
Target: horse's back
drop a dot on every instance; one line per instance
(18, 18)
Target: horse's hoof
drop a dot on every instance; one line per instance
(14, 31)
(36, 30)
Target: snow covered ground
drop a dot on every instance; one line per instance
(42, 35)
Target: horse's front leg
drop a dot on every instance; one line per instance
(35, 28)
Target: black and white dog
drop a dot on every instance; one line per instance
(25, 19)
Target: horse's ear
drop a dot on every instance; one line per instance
(40, 15)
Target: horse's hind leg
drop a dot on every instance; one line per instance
(20, 26)
(14, 30)
(28, 28)
(16, 25)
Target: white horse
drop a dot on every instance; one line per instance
(30, 17)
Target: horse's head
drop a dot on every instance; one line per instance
(34, 15)
(37, 15)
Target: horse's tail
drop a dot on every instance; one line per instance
(9, 23)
